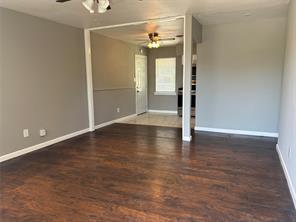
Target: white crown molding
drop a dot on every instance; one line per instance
(239, 132)
(288, 178)
(41, 145)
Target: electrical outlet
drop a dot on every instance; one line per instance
(118, 109)
(42, 132)
(290, 152)
(26, 133)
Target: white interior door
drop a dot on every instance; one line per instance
(141, 83)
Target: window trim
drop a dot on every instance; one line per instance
(165, 93)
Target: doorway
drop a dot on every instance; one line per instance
(141, 84)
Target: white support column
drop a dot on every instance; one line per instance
(90, 95)
(187, 78)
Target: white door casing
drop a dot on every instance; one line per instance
(141, 83)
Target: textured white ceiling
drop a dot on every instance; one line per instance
(138, 34)
(123, 11)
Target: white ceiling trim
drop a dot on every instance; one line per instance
(166, 19)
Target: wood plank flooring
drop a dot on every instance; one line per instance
(144, 173)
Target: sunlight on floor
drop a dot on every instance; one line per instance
(156, 119)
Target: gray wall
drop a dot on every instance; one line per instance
(287, 137)
(196, 31)
(163, 102)
(239, 75)
(43, 81)
(113, 64)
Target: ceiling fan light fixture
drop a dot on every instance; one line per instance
(156, 44)
(101, 10)
(103, 6)
(154, 40)
(153, 45)
(89, 5)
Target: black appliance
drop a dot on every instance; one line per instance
(193, 95)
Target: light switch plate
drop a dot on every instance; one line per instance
(290, 152)
(42, 132)
(26, 133)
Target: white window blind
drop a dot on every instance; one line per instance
(165, 76)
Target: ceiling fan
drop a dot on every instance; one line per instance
(101, 6)
(154, 40)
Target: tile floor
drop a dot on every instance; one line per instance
(157, 119)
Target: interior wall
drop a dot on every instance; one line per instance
(196, 31)
(163, 102)
(113, 64)
(287, 134)
(43, 83)
(239, 75)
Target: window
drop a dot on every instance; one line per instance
(165, 76)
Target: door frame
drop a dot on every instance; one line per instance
(146, 79)
(89, 62)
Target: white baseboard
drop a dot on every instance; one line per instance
(239, 132)
(114, 121)
(289, 180)
(125, 118)
(41, 145)
(162, 111)
(56, 140)
(187, 138)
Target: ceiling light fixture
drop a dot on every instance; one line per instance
(154, 41)
(89, 5)
(101, 6)
(153, 45)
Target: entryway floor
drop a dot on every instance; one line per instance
(158, 119)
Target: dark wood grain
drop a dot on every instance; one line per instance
(144, 173)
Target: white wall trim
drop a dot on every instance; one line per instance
(165, 19)
(289, 180)
(163, 111)
(165, 93)
(57, 140)
(114, 121)
(187, 71)
(187, 139)
(41, 145)
(239, 132)
(89, 80)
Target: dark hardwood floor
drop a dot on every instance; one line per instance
(145, 173)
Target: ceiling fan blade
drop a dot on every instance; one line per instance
(141, 41)
(62, 1)
(168, 39)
